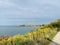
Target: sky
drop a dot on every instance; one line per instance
(16, 12)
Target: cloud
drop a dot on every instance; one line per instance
(17, 9)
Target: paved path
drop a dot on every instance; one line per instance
(56, 40)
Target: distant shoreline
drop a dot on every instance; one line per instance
(28, 25)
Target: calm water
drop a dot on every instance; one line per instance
(14, 30)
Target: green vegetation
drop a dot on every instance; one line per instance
(41, 36)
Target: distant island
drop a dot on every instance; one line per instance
(29, 25)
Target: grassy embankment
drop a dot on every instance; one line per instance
(41, 36)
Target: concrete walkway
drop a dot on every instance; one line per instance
(56, 40)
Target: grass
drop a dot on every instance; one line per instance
(39, 36)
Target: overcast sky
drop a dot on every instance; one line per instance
(15, 12)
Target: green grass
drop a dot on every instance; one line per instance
(41, 36)
(36, 37)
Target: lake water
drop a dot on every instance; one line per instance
(14, 30)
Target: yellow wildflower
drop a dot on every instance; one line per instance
(29, 34)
